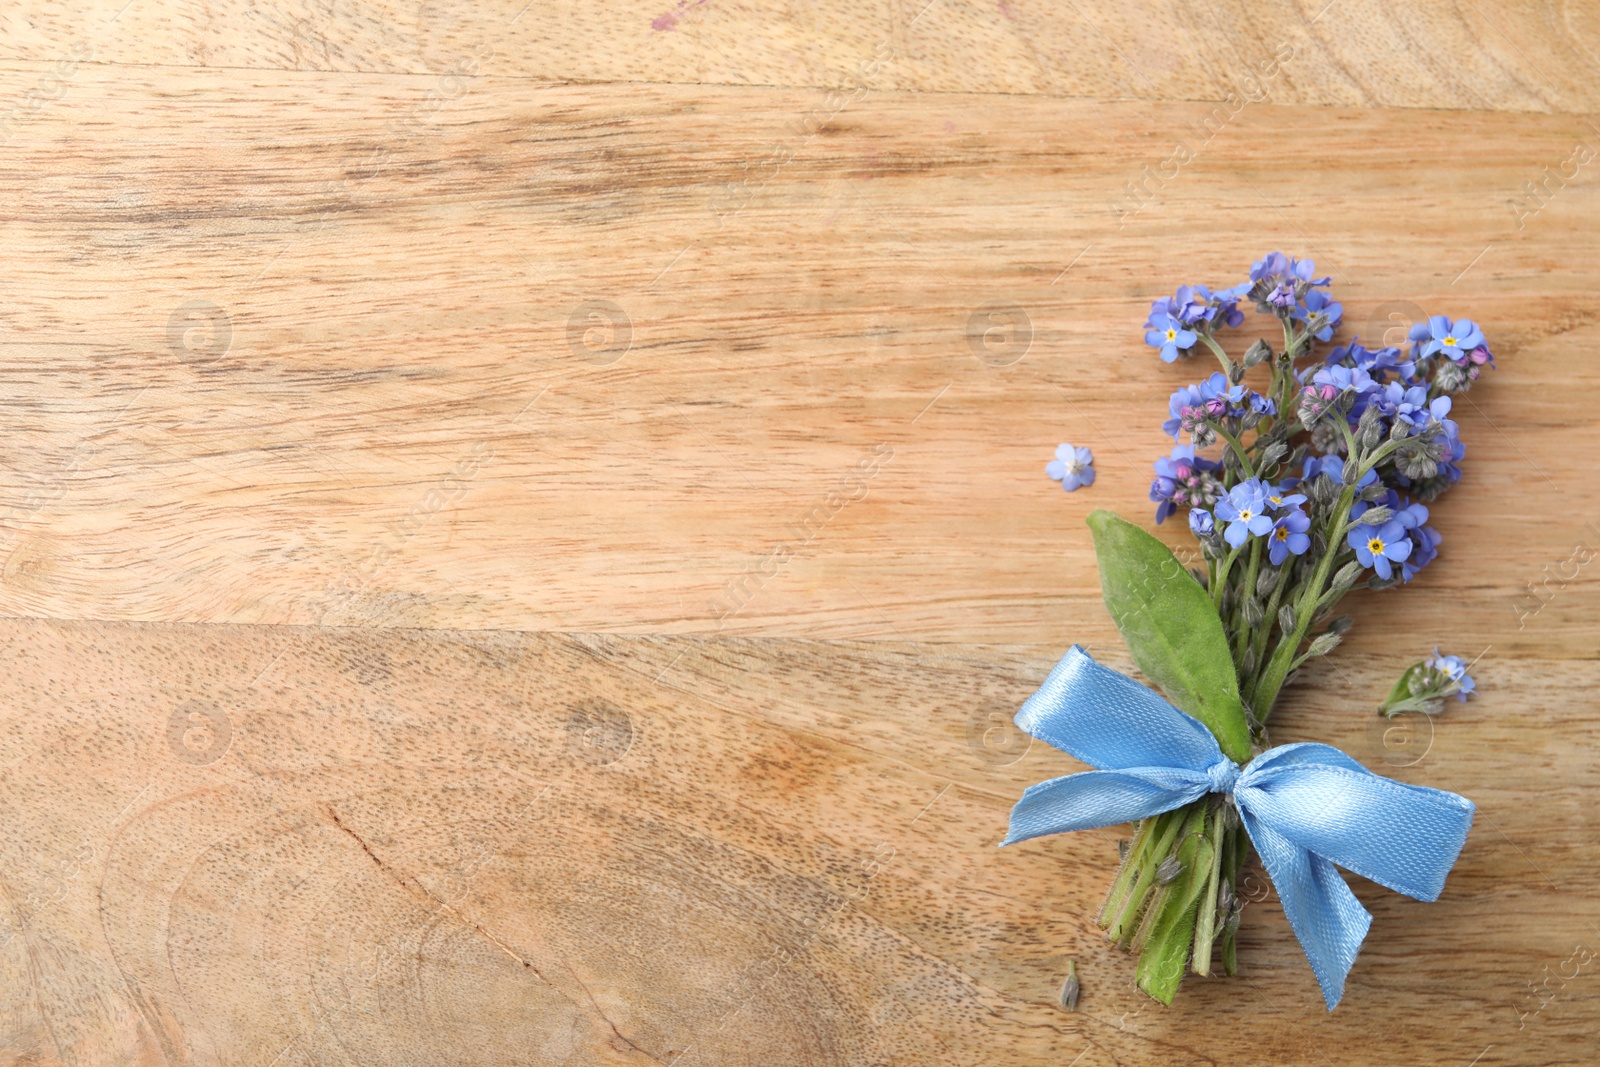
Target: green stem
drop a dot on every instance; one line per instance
(1378, 456)
(1205, 930)
(1241, 632)
(1411, 704)
(1222, 357)
(1278, 668)
(1237, 845)
(1238, 449)
(1259, 643)
(1349, 438)
(1170, 823)
(1220, 580)
(1116, 898)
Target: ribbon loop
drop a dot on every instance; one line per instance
(1306, 807)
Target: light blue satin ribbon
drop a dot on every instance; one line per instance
(1306, 807)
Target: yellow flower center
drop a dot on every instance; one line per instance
(1375, 545)
(1246, 515)
(1451, 341)
(1281, 533)
(1172, 335)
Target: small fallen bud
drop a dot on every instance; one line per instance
(1069, 988)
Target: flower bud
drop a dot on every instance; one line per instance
(1451, 378)
(1286, 618)
(1415, 463)
(1369, 433)
(1265, 581)
(1168, 870)
(1257, 353)
(1327, 437)
(1376, 516)
(1325, 643)
(1252, 611)
(1347, 576)
(1070, 988)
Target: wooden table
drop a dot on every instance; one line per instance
(524, 526)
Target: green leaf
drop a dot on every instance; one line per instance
(1402, 688)
(1171, 628)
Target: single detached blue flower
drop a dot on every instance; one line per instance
(1170, 336)
(1454, 668)
(1244, 509)
(1072, 467)
(1377, 546)
(1288, 536)
(1200, 522)
(1453, 340)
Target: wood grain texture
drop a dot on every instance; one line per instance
(407, 412)
(522, 528)
(1530, 55)
(258, 845)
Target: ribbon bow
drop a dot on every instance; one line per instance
(1306, 807)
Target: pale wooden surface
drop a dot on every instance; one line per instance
(479, 843)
